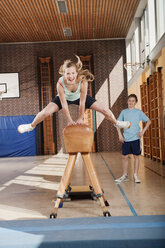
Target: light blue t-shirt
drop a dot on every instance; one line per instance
(70, 96)
(134, 116)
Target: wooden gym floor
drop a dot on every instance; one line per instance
(28, 186)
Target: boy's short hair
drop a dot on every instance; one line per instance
(133, 95)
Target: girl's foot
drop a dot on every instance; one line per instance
(123, 124)
(25, 128)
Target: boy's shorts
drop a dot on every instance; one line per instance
(131, 147)
(89, 101)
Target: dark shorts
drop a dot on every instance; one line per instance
(89, 101)
(131, 147)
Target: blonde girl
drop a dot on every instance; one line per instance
(72, 89)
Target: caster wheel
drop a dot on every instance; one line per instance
(69, 188)
(106, 214)
(90, 187)
(53, 216)
(106, 203)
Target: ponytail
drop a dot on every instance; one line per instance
(86, 75)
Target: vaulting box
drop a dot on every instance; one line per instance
(78, 138)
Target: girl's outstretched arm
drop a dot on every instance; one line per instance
(83, 94)
(64, 104)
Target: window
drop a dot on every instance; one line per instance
(128, 52)
(146, 32)
(149, 27)
(151, 19)
(137, 40)
(133, 50)
(142, 39)
(160, 18)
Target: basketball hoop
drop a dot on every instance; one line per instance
(132, 67)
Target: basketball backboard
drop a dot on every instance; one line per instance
(9, 85)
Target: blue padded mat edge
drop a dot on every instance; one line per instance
(102, 232)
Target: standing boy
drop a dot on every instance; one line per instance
(131, 137)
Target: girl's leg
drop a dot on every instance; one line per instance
(105, 111)
(109, 115)
(47, 111)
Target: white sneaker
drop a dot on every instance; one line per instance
(136, 179)
(123, 124)
(124, 178)
(25, 128)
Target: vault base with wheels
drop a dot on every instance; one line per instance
(79, 138)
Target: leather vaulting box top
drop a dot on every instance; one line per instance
(78, 138)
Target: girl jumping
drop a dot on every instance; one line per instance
(72, 89)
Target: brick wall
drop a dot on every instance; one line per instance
(23, 58)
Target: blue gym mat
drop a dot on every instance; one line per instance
(99, 232)
(12, 143)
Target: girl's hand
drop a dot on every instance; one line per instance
(70, 123)
(80, 121)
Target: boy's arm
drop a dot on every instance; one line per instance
(121, 138)
(148, 123)
(83, 94)
(64, 104)
(120, 118)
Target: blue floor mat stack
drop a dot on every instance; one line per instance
(99, 232)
